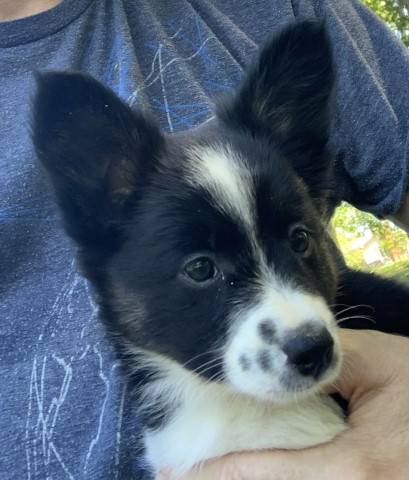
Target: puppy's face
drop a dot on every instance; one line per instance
(208, 247)
(225, 268)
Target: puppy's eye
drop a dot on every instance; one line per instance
(299, 240)
(200, 269)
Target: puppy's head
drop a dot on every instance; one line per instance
(208, 248)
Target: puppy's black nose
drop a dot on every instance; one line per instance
(310, 354)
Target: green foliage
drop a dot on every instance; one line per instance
(353, 221)
(398, 271)
(350, 223)
(394, 13)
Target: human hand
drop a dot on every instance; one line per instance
(375, 381)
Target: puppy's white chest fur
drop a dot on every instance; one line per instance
(210, 420)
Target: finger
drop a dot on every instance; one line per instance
(312, 464)
(365, 364)
(352, 364)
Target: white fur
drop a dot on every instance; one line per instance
(212, 420)
(226, 177)
(252, 409)
(223, 173)
(286, 309)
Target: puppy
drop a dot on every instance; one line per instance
(216, 279)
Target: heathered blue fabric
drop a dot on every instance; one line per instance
(64, 411)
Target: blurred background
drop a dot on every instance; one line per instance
(367, 243)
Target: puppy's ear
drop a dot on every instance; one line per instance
(286, 95)
(95, 149)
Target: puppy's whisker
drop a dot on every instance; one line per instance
(201, 355)
(210, 362)
(361, 317)
(218, 376)
(351, 307)
(199, 371)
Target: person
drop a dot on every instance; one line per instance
(65, 412)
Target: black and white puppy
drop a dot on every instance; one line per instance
(216, 279)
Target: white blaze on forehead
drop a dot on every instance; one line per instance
(224, 175)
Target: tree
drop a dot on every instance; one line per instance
(394, 13)
(350, 222)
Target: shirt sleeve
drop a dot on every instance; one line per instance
(370, 134)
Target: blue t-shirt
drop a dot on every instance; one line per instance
(65, 413)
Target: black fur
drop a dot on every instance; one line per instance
(286, 96)
(125, 200)
(380, 304)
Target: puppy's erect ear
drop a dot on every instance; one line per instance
(95, 149)
(286, 94)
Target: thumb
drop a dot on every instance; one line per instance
(366, 364)
(269, 465)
